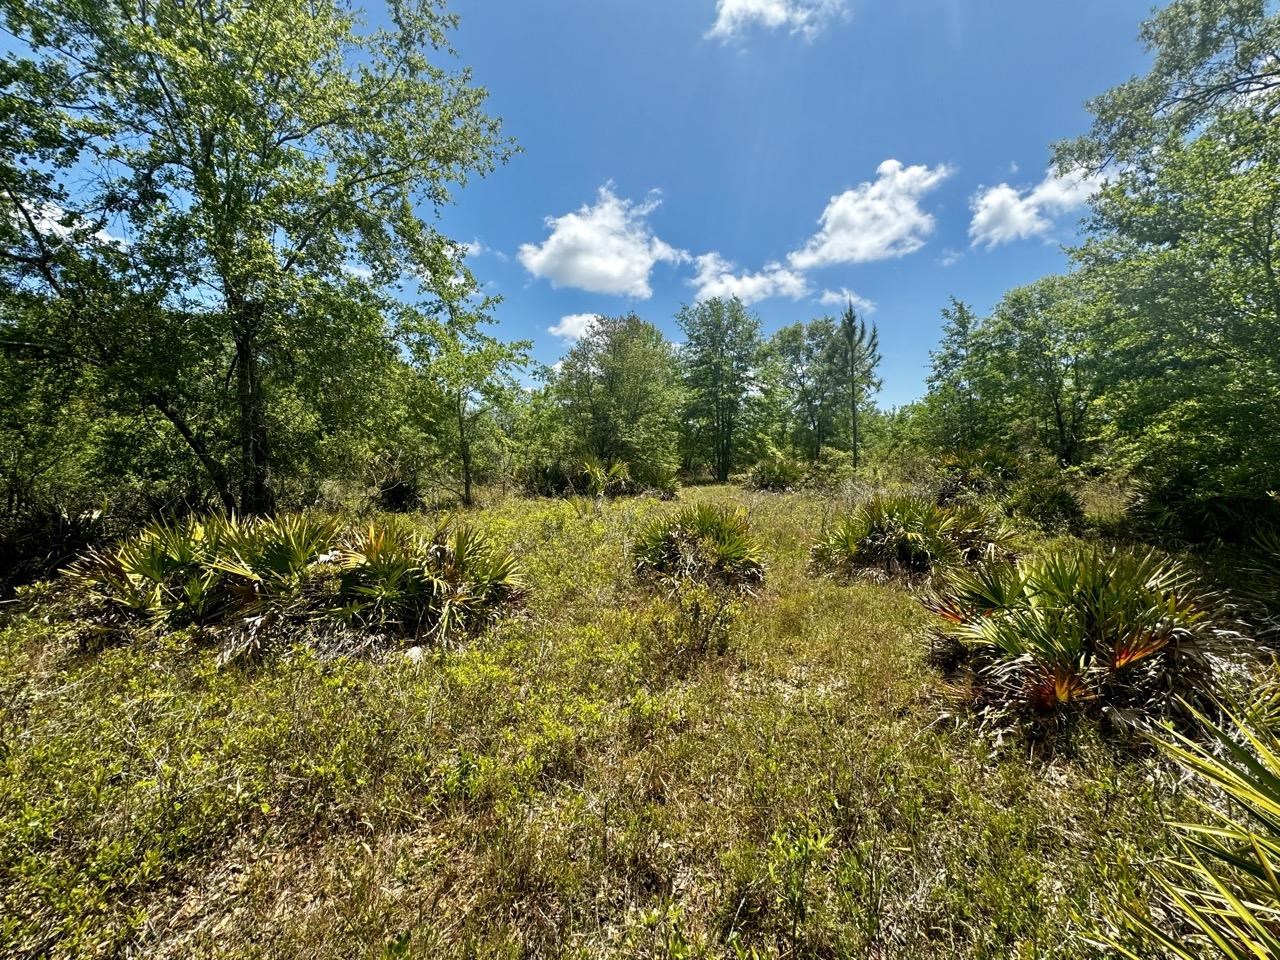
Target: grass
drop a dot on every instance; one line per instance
(556, 787)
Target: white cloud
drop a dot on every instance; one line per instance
(606, 247)
(950, 257)
(716, 278)
(875, 220)
(52, 222)
(574, 326)
(807, 18)
(843, 297)
(1002, 214)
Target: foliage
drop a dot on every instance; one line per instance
(1045, 497)
(619, 393)
(299, 569)
(905, 535)
(1220, 896)
(775, 471)
(702, 542)
(300, 144)
(719, 356)
(1084, 630)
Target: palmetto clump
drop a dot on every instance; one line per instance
(1219, 893)
(1083, 629)
(300, 569)
(912, 536)
(701, 543)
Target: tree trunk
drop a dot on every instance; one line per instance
(255, 453)
(464, 450)
(215, 471)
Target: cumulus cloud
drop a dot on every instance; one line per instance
(574, 326)
(1002, 214)
(716, 278)
(843, 297)
(605, 247)
(874, 220)
(807, 18)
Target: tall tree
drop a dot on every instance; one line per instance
(855, 356)
(216, 167)
(619, 390)
(465, 374)
(1209, 57)
(953, 375)
(719, 356)
(802, 353)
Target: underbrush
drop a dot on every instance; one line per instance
(911, 536)
(592, 778)
(1084, 630)
(1219, 894)
(255, 579)
(704, 543)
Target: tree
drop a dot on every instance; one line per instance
(620, 395)
(1210, 57)
(1038, 363)
(855, 355)
(246, 162)
(1187, 257)
(802, 353)
(952, 380)
(719, 356)
(464, 373)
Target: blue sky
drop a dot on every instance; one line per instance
(781, 149)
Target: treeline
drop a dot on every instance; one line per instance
(216, 292)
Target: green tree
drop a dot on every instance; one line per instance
(1038, 357)
(1209, 57)
(802, 353)
(719, 357)
(953, 379)
(855, 355)
(620, 394)
(1188, 255)
(248, 162)
(465, 374)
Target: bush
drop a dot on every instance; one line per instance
(37, 543)
(299, 569)
(701, 543)
(898, 535)
(976, 473)
(1223, 889)
(1261, 582)
(1046, 499)
(1084, 630)
(775, 472)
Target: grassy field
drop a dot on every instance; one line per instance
(577, 782)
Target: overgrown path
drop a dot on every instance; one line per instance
(575, 783)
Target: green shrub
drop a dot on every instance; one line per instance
(898, 535)
(1261, 581)
(775, 472)
(1222, 890)
(1046, 499)
(1083, 629)
(703, 543)
(302, 569)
